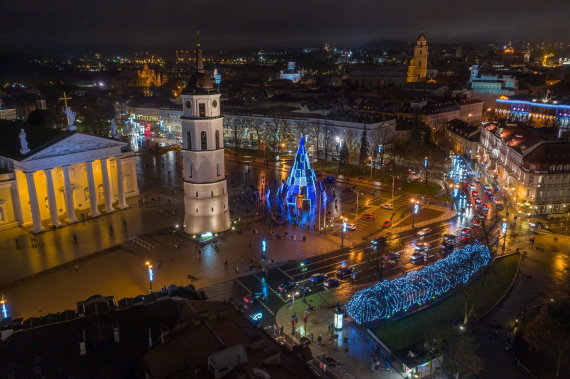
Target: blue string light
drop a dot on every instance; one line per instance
(391, 298)
(301, 179)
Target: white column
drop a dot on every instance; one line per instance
(92, 190)
(69, 203)
(52, 202)
(120, 186)
(107, 186)
(36, 216)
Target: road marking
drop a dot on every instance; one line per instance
(289, 276)
(243, 285)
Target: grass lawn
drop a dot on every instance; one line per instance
(421, 188)
(485, 291)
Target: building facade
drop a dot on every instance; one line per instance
(48, 177)
(417, 68)
(205, 186)
(531, 168)
(533, 111)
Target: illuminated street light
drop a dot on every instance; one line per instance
(504, 227)
(4, 308)
(343, 231)
(150, 275)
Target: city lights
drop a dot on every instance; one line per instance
(396, 297)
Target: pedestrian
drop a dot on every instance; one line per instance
(75, 238)
(319, 340)
(237, 269)
(346, 351)
(76, 268)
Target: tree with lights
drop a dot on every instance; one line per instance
(364, 148)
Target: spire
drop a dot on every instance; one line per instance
(199, 60)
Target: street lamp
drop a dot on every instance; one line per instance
(4, 309)
(150, 275)
(371, 166)
(426, 167)
(343, 231)
(504, 229)
(415, 210)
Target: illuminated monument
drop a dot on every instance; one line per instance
(300, 184)
(205, 185)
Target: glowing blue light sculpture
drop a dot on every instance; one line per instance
(300, 184)
(391, 298)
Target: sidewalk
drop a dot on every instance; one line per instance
(356, 362)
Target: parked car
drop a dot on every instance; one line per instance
(254, 297)
(350, 226)
(424, 231)
(389, 263)
(368, 216)
(331, 282)
(317, 278)
(343, 272)
(284, 287)
(477, 180)
(387, 224)
(422, 246)
(387, 206)
(449, 237)
(446, 247)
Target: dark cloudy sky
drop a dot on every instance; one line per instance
(121, 25)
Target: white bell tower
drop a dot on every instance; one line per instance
(205, 187)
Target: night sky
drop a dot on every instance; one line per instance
(125, 25)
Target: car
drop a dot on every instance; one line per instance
(317, 278)
(472, 187)
(389, 263)
(298, 292)
(387, 224)
(476, 224)
(422, 246)
(478, 201)
(499, 205)
(329, 179)
(466, 232)
(343, 272)
(424, 231)
(284, 287)
(387, 206)
(465, 180)
(331, 282)
(477, 180)
(447, 246)
(410, 171)
(475, 193)
(350, 226)
(379, 241)
(485, 208)
(449, 237)
(417, 257)
(486, 187)
(393, 256)
(254, 297)
(369, 216)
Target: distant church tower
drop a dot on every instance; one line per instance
(417, 69)
(205, 186)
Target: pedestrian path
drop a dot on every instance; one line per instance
(345, 353)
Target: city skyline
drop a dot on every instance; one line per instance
(103, 26)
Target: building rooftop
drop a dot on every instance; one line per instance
(38, 138)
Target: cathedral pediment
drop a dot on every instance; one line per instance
(75, 143)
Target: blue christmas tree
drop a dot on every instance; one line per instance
(300, 184)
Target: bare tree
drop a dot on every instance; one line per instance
(276, 132)
(236, 127)
(258, 126)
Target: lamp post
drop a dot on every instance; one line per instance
(504, 227)
(426, 167)
(415, 210)
(338, 147)
(150, 275)
(3, 308)
(343, 230)
(371, 166)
